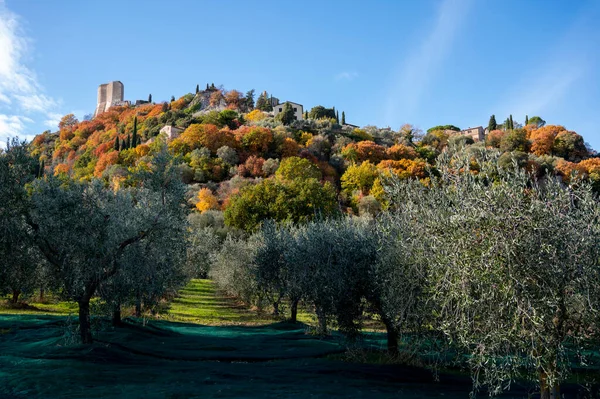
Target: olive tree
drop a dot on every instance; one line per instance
(397, 281)
(513, 272)
(270, 271)
(332, 256)
(19, 262)
(84, 229)
(232, 268)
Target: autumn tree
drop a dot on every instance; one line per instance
(68, 122)
(401, 151)
(234, 99)
(359, 177)
(256, 115)
(297, 168)
(206, 200)
(215, 98)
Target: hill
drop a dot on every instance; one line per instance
(229, 147)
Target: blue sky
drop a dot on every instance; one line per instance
(384, 63)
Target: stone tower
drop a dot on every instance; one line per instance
(109, 94)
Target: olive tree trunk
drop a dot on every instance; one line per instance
(85, 326)
(321, 317)
(116, 316)
(392, 336)
(546, 391)
(294, 309)
(15, 296)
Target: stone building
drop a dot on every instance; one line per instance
(298, 110)
(172, 132)
(109, 95)
(476, 133)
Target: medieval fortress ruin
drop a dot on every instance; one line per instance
(109, 95)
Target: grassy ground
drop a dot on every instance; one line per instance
(201, 302)
(206, 345)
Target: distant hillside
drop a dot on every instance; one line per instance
(225, 144)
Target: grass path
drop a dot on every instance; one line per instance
(201, 302)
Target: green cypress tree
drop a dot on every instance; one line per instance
(117, 143)
(337, 116)
(526, 120)
(261, 102)
(172, 98)
(128, 142)
(492, 125)
(512, 124)
(197, 89)
(150, 98)
(134, 136)
(286, 116)
(123, 145)
(42, 166)
(207, 87)
(343, 118)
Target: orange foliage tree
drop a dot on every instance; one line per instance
(401, 151)
(404, 168)
(202, 135)
(288, 148)
(61, 168)
(542, 139)
(364, 151)
(252, 167)
(494, 138)
(105, 160)
(233, 99)
(215, 98)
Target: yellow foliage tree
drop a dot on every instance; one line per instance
(256, 115)
(206, 200)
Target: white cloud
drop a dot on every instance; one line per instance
(36, 102)
(419, 68)
(53, 120)
(21, 95)
(13, 125)
(346, 75)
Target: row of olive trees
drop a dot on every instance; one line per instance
(341, 268)
(127, 246)
(483, 260)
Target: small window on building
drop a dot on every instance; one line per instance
(280, 109)
(295, 109)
